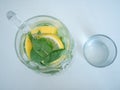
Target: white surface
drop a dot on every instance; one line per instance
(83, 18)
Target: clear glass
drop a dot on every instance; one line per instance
(100, 50)
(61, 63)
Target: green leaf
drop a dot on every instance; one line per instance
(54, 55)
(42, 46)
(34, 56)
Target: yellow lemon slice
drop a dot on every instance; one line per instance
(28, 46)
(45, 29)
(55, 39)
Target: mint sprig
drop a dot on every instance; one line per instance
(52, 56)
(43, 50)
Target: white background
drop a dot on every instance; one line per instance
(83, 18)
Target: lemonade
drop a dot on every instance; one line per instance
(43, 45)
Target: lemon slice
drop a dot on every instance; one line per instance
(55, 39)
(28, 46)
(45, 29)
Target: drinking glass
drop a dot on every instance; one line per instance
(100, 50)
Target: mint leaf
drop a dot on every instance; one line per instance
(53, 56)
(41, 46)
(34, 56)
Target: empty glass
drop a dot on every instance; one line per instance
(100, 50)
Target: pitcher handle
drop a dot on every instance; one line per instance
(13, 18)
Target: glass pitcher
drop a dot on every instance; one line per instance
(42, 43)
